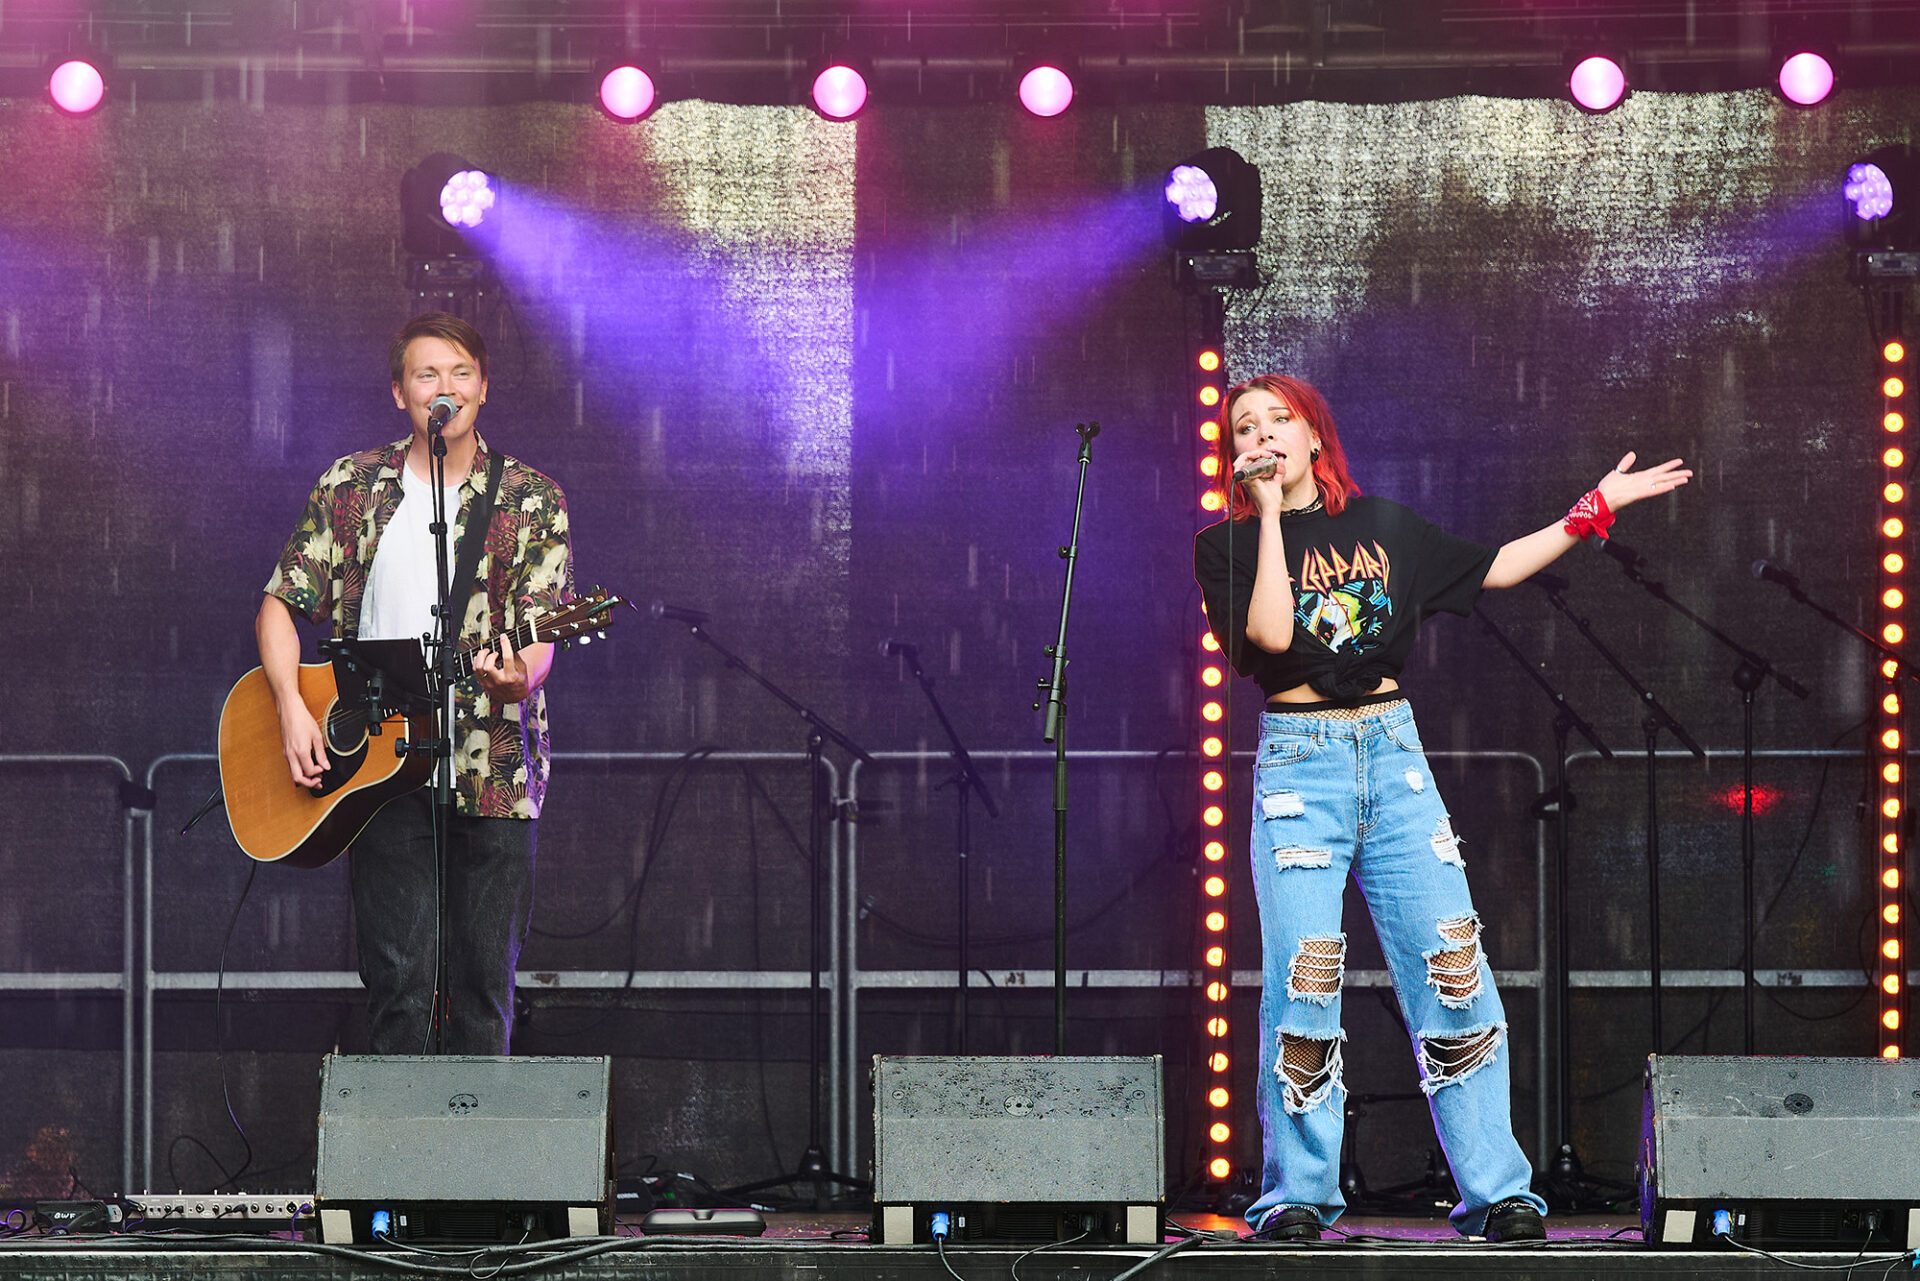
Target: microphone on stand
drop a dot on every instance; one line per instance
(891, 648)
(1774, 574)
(692, 617)
(440, 411)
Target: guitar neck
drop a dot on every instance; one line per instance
(522, 636)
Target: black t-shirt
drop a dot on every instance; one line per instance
(1362, 581)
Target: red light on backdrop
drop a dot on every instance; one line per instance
(1765, 798)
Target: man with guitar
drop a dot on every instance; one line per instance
(362, 556)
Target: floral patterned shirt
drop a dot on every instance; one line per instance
(501, 753)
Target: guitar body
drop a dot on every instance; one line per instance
(275, 820)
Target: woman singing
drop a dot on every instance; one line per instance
(1318, 601)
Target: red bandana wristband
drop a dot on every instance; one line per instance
(1589, 517)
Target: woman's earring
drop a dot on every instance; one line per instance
(1315, 455)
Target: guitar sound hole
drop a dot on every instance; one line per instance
(346, 730)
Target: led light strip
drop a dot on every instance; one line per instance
(1890, 749)
(1210, 378)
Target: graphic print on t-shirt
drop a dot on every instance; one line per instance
(1343, 601)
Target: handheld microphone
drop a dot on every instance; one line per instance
(894, 648)
(692, 617)
(1774, 574)
(440, 411)
(1256, 469)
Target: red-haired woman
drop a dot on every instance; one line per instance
(1315, 592)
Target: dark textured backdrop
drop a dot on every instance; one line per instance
(821, 380)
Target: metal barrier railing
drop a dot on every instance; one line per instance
(139, 980)
(122, 982)
(859, 980)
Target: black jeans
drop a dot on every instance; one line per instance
(489, 907)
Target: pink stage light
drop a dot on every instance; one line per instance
(1598, 84)
(1046, 91)
(626, 92)
(839, 92)
(1806, 79)
(76, 87)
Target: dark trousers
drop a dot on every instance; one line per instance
(489, 908)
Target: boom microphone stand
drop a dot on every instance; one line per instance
(813, 1169)
(1054, 690)
(1657, 718)
(966, 781)
(1565, 1178)
(1751, 672)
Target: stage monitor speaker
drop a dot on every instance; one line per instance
(454, 1148)
(1781, 1152)
(1018, 1148)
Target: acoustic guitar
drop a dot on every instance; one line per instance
(275, 820)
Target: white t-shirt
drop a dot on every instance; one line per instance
(399, 600)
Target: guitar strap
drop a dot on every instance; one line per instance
(472, 540)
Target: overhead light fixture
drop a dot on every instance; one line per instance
(1880, 190)
(1804, 77)
(1046, 86)
(76, 86)
(626, 90)
(839, 88)
(443, 200)
(1597, 81)
(1210, 217)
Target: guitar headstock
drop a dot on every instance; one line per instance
(581, 617)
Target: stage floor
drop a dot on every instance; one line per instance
(814, 1247)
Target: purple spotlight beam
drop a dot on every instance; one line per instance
(1806, 79)
(1598, 83)
(1046, 91)
(839, 92)
(76, 87)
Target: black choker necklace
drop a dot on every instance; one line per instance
(1313, 506)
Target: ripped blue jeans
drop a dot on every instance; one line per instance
(1339, 797)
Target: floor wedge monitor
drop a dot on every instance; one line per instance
(1018, 1149)
(459, 1149)
(1807, 1152)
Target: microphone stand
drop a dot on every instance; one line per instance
(1566, 1177)
(813, 1168)
(1748, 675)
(966, 782)
(1656, 718)
(1054, 687)
(447, 640)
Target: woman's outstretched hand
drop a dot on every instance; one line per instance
(1622, 487)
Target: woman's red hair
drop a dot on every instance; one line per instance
(1330, 474)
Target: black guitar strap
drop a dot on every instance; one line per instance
(472, 541)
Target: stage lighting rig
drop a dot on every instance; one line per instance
(1211, 220)
(444, 200)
